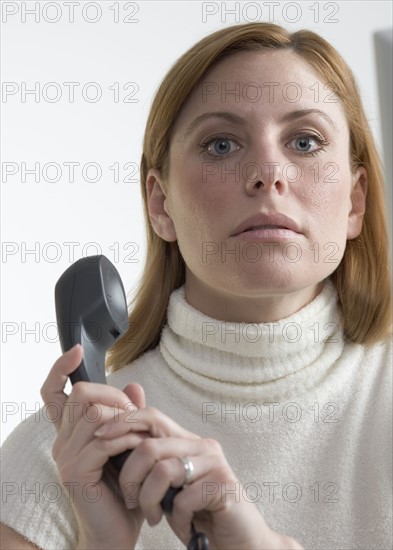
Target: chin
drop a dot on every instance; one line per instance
(273, 278)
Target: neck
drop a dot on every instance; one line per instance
(247, 306)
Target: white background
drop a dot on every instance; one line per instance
(106, 132)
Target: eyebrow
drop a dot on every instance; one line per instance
(216, 114)
(232, 117)
(294, 115)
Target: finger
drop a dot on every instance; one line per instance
(84, 428)
(88, 399)
(148, 419)
(218, 494)
(169, 473)
(52, 390)
(215, 489)
(136, 394)
(150, 451)
(87, 464)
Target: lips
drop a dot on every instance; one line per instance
(267, 221)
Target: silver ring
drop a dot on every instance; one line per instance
(188, 470)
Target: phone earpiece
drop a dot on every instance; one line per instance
(91, 310)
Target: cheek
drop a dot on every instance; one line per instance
(325, 188)
(325, 211)
(204, 203)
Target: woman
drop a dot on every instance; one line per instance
(260, 338)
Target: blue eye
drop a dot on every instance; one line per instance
(217, 147)
(221, 146)
(303, 144)
(308, 144)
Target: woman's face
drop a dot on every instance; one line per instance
(273, 139)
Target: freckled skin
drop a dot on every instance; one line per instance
(196, 208)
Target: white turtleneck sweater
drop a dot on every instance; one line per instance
(305, 423)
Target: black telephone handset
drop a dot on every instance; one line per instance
(91, 310)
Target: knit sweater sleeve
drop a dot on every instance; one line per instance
(34, 501)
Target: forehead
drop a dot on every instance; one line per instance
(268, 83)
(262, 64)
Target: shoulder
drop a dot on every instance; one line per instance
(378, 357)
(375, 379)
(141, 371)
(374, 357)
(383, 346)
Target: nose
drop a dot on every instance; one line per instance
(267, 173)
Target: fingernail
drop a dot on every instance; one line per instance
(131, 504)
(102, 430)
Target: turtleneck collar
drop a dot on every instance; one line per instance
(245, 359)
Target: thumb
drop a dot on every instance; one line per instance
(137, 395)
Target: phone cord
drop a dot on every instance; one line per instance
(198, 541)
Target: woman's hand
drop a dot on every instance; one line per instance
(103, 519)
(213, 499)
